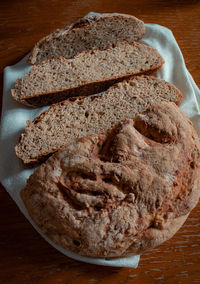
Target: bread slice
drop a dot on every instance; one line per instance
(62, 123)
(90, 72)
(94, 31)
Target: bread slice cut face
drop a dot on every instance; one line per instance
(62, 123)
(90, 72)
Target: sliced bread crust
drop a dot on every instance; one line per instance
(94, 31)
(90, 72)
(62, 123)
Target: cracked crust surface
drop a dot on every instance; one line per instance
(94, 31)
(119, 193)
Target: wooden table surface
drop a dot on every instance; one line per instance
(24, 256)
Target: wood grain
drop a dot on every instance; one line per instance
(25, 257)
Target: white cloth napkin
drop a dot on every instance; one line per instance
(13, 174)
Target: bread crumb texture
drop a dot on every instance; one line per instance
(64, 122)
(90, 72)
(94, 31)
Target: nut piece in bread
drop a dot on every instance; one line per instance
(122, 192)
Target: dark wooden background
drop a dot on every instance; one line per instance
(24, 256)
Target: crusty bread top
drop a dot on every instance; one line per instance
(65, 121)
(89, 68)
(94, 31)
(122, 192)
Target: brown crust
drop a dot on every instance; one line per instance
(153, 237)
(81, 23)
(120, 193)
(84, 89)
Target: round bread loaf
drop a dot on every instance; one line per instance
(122, 192)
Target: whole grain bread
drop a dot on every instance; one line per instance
(120, 193)
(65, 121)
(94, 31)
(90, 72)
